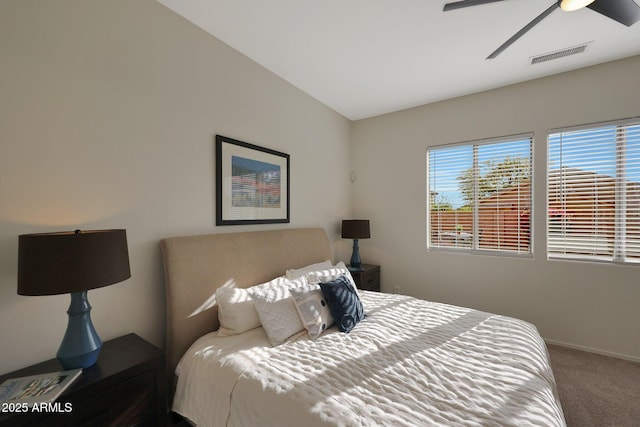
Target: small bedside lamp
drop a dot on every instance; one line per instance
(355, 229)
(73, 262)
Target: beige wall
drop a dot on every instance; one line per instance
(108, 114)
(586, 305)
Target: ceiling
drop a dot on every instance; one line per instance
(364, 58)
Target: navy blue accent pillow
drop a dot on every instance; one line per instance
(344, 303)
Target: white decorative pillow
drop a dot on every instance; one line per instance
(295, 273)
(236, 309)
(313, 309)
(277, 311)
(331, 274)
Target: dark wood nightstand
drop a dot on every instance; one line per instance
(369, 279)
(126, 387)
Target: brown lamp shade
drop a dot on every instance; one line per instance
(71, 261)
(355, 229)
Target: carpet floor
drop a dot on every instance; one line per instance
(596, 390)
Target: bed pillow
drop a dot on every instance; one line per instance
(313, 309)
(331, 273)
(344, 303)
(277, 311)
(237, 310)
(295, 273)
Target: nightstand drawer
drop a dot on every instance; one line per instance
(368, 279)
(370, 282)
(131, 403)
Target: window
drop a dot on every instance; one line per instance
(479, 196)
(594, 193)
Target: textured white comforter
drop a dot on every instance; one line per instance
(410, 363)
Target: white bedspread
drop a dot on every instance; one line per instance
(410, 363)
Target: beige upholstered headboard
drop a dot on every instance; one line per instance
(195, 266)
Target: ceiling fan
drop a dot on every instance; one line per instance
(626, 12)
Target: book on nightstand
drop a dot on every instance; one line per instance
(36, 389)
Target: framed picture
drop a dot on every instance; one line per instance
(252, 184)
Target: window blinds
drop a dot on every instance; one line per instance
(593, 189)
(479, 195)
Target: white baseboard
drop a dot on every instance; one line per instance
(595, 350)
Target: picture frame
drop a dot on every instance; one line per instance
(252, 183)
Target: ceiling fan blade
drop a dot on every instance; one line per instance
(524, 29)
(626, 12)
(466, 3)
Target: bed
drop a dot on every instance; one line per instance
(406, 362)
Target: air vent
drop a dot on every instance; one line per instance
(559, 53)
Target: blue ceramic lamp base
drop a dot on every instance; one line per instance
(81, 344)
(355, 264)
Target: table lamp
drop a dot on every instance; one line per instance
(73, 262)
(355, 229)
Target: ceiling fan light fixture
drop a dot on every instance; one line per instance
(571, 5)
